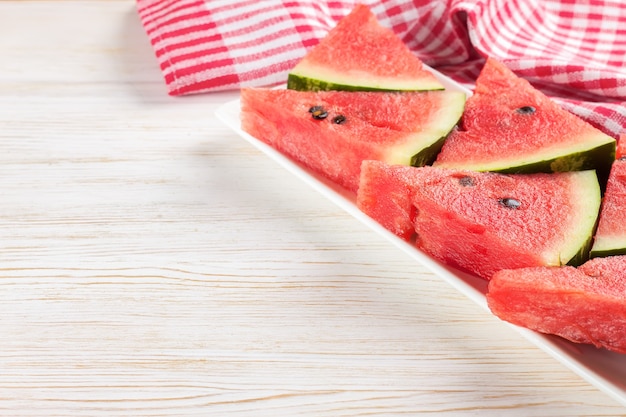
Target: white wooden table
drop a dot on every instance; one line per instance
(152, 263)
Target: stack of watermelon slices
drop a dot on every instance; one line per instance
(504, 184)
(343, 107)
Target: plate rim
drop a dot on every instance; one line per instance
(564, 351)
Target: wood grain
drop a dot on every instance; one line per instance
(154, 264)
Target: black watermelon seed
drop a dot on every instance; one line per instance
(318, 112)
(466, 181)
(510, 203)
(526, 110)
(339, 119)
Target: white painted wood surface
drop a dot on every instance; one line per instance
(154, 264)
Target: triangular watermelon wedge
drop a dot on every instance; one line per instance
(482, 222)
(359, 54)
(585, 304)
(332, 132)
(509, 126)
(610, 238)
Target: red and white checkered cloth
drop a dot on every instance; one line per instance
(572, 50)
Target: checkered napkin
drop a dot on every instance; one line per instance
(572, 50)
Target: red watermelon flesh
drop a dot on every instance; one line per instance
(509, 126)
(610, 237)
(483, 222)
(620, 151)
(331, 132)
(585, 304)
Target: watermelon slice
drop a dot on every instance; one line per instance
(331, 132)
(585, 304)
(483, 222)
(509, 126)
(361, 55)
(610, 238)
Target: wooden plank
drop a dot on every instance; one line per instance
(154, 264)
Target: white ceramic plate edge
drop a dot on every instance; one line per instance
(596, 366)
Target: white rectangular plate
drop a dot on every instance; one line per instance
(603, 369)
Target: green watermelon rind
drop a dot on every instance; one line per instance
(583, 253)
(598, 253)
(428, 154)
(423, 148)
(588, 197)
(608, 246)
(599, 158)
(305, 82)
